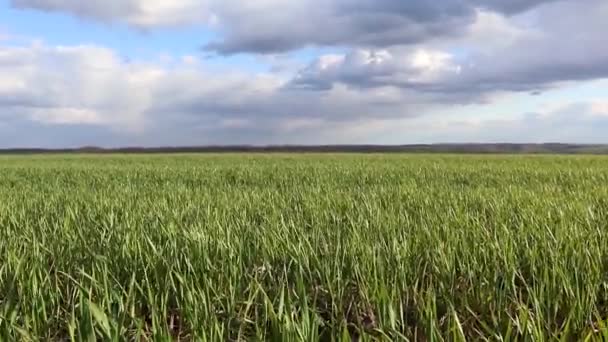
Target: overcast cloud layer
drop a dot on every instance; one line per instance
(392, 67)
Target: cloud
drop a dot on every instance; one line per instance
(271, 26)
(577, 122)
(599, 108)
(555, 50)
(344, 23)
(393, 64)
(509, 7)
(571, 123)
(377, 68)
(74, 85)
(140, 14)
(335, 23)
(185, 100)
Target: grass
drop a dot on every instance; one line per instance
(303, 248)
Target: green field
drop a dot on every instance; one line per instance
(303, 247)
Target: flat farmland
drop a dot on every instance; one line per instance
(303, 247)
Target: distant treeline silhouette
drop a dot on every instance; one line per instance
(556, 148)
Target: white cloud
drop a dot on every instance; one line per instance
(570, 123)
(75, 84)
(94, 86)
(65, 116)
(600, 108)
(371, 68)
(490, 31)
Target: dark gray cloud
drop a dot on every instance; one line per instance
(140, 14)
(339, 23)
(509, 7)
(273, 26)
(368, 23)
(101, 10)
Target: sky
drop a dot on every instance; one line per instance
(224, 72)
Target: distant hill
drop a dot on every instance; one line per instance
(505, 148)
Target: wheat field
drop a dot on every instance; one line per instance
(303, 247)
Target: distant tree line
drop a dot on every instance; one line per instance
(557, 148)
